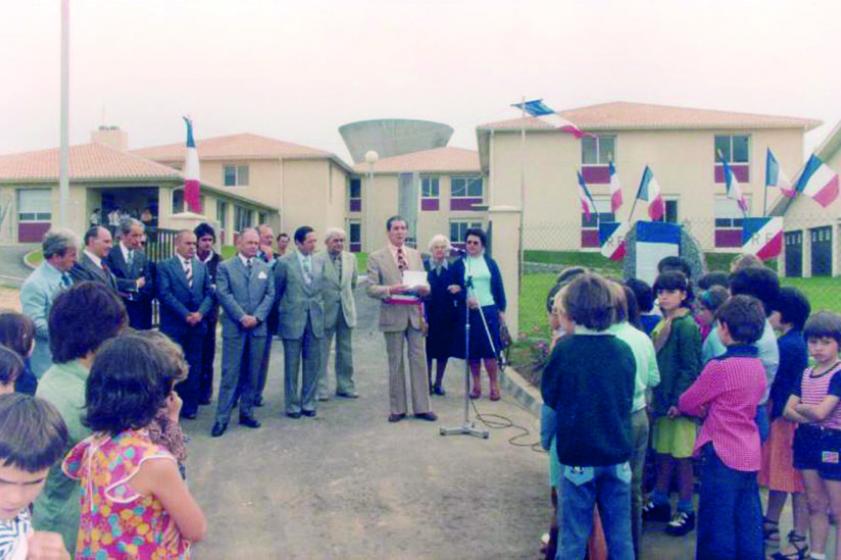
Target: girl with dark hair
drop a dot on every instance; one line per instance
(478, 285)
(135, 502)
(17, 333)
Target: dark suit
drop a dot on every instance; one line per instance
(178, 300)
(138, 302)
(209, 343)
(241, 292)
(272, 326)
(85, 270)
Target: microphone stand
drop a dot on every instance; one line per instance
(467, 428)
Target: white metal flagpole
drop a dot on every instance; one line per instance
(64, 140)
(522, 183)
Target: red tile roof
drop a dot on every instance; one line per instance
(234, 146)
(87, 161)
(642, 116)
(436, 160)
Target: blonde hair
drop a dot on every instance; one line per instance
(438, 238)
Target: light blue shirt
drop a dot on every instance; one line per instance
(769, 353)
(306, 265)
(477, 269)
(645, 357)
(36, 300)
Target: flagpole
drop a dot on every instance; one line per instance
(522, 183)
(64, 136)
(765, 199)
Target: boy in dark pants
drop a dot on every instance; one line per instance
(589, 383)
(726, 395)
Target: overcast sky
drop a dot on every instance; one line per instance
(298, 70)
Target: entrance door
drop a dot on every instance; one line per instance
(794, 253)
(822, 251)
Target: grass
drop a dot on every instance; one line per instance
(361, 262)
(34, 258)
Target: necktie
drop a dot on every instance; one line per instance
(188, 272)
(401, 260)
(248, 265)
(130, 257)
(307, 270)
(337, 262)
(66, 281)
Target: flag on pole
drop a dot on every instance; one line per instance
(537, 108)
(654, 242)
(612, 239)
(818, 181)
(762, 237)
(588, 206)
(615, 189)
(192, 185)
(734, 191)
(774, 176)
(649, 191)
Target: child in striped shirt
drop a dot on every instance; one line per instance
(817, 442)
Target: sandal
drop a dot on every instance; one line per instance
(772, 535)
(801, 549)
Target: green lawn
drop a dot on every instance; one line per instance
(34, 258)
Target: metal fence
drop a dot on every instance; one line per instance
(160, 245)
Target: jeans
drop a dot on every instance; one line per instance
(580, 490)
(639, 440)
(729, 512)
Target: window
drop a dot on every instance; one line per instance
(598, 151)
(734, 149)
(429, 187)
(355, 194)
(458, 230)
(35, 205)
(236, 175)
(178, 201)
(262, 218)
(670, 216)
(728, 222)
(355, 235)
(466, 187)
(221, 213)
(590, 228)
(243, 218)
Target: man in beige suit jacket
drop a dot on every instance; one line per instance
(400, 321)
(337, 287)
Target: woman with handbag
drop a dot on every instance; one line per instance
(480, 288)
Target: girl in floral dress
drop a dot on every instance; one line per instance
(134, 501)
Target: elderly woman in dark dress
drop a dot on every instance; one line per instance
(440, 309)
(487, 295)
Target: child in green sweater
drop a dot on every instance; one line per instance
(678, 343)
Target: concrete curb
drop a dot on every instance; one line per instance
(521, 390)
(26, 262)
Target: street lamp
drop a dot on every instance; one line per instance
(371, 157)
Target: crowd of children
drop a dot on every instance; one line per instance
(723, 379)
(129, 463)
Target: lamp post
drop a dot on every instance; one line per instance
(371, 157)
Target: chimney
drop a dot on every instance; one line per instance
(110, 136)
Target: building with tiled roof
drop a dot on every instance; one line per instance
(679, 144)
(103, 177)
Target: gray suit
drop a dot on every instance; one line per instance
(242, 292)
(85, 270)
(301, 325)
(339, 320)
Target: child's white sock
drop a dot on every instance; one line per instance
(817, 556)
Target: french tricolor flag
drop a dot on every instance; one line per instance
(588, 206)
(774, 176)
(762, 237)
(537, 108)
(192, 184)
(615, 189)
(612, 239)
(734, 191)
(818, 182)
(649, 191)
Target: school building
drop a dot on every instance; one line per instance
(679, 144)
(812, 245)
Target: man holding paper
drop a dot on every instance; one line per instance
(397, 278)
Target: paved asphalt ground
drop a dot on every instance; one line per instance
(12, 270)
(348, 484)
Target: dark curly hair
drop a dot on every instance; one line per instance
(757, 281)
(82, 318)
(126, 386)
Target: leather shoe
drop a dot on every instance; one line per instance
(258, 400)
(294, 415)
(345, 395)
(249, 421)
(428, 416)
(189, 415)
(308, 413)
(322, 398)
(396, 417)
(218, 429)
